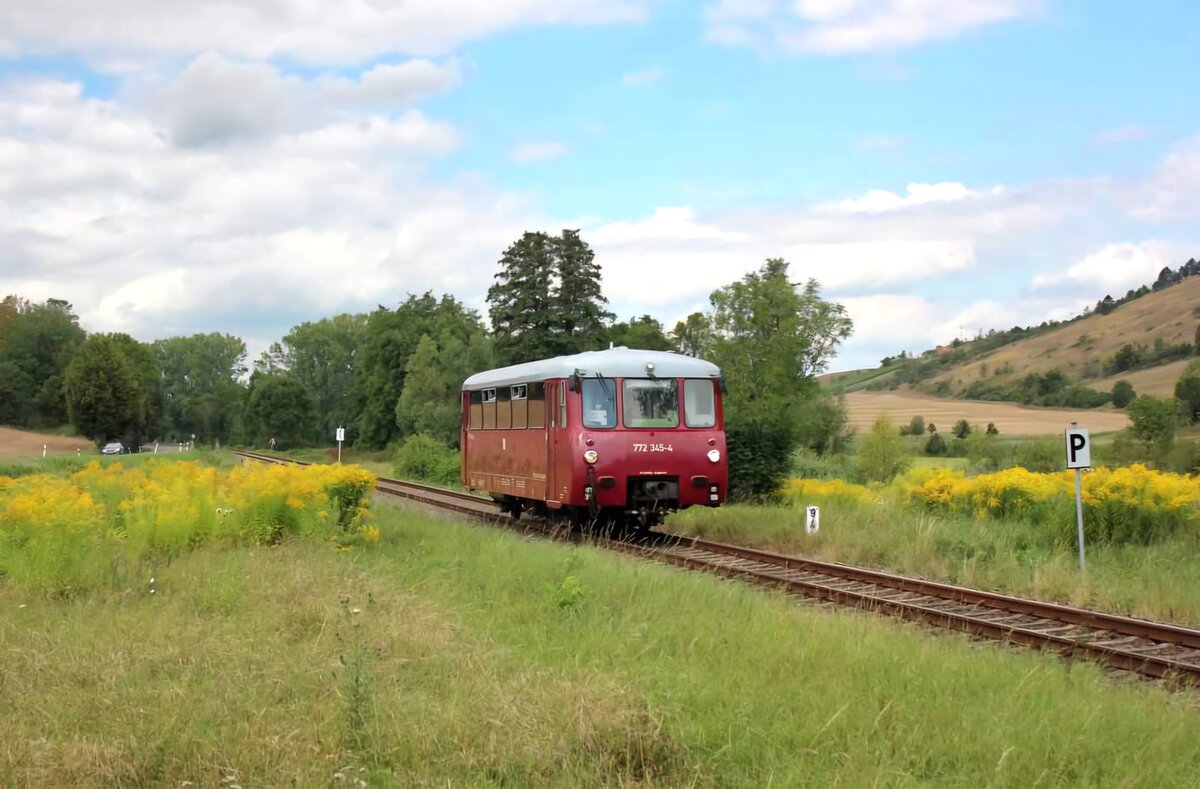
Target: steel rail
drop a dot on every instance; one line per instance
(1158, 649)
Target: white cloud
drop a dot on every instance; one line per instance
(1114, 267)
(838, 27)
(1123, 134)
(99, 207)
(122, 31)
(646, 76)
(537, 151)
(893, 320)
(1172, 190)
(879, 200)
(216, 100)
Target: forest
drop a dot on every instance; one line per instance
(394, 374)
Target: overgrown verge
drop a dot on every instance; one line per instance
(1013, 531)
(103, 523)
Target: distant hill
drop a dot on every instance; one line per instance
(1145, 338)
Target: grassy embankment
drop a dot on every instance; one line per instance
(448, 653)
(1033, 555)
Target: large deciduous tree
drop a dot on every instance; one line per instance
(430, 402)
(325, 357)
(770, 337)
(645, 333)
(547, 298)
(392, 336)
(202, 391)
(279, 407)
(693, 336)
(108, 388)
(37, 343)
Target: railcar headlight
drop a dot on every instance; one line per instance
(714, 455)
(591, 456)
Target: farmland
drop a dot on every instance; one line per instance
(441, 652)
(25, 444)
(1010, 419)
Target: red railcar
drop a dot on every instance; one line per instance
(616, 434)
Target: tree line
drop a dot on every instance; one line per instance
(396, 372)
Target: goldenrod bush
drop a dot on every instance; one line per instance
(62, 534)
(1130, 504)
(802, 492)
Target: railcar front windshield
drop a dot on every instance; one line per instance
(599, 402)
(650, 402)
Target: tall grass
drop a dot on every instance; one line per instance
(63, 534)
(455, 655)
(1014, 555)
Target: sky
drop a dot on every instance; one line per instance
(939, 167)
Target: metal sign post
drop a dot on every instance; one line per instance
(1079, 457)
(812, 523)
(341, 436)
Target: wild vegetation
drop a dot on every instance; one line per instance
(446, 653)
(101, 525)
(392, 377)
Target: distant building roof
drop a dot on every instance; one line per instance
(620, 362)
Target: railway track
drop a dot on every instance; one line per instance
(1155, 649)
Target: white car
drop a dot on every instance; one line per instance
(113, 448)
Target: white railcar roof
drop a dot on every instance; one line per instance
(620, 362)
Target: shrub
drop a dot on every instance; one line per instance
(422, 457)
(1123, 394)
(882, 455)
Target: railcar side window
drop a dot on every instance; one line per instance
(562, 404)
(489, 409)
(503, 409)
(476, 410)
(537, 405)
(699, 408)
(651, 403)
(599, 402)
(520, 407)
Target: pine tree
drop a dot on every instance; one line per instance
(547, 299)
(579, 317)
(520, 301)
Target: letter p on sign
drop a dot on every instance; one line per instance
(1079, 448)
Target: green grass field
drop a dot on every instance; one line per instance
(451, 654)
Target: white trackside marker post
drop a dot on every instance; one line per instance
(812, 523)
(341, 436)
(1079, 457)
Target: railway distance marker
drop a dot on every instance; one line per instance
(341, 436)
(812, 523)
(1079, 457)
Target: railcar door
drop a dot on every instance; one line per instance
(558, 467)
(551, 440)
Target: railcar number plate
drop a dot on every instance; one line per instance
(653, 448)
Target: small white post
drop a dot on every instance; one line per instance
(1079, 514)
(43, 451)
(812, 523)
(341, 435)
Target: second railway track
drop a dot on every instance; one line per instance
(1155, 649)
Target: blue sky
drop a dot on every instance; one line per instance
(935, 164)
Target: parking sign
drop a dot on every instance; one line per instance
(1079, 448)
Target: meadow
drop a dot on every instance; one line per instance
(446, 653)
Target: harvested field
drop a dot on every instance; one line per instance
(23, 444)
(1010, 419)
